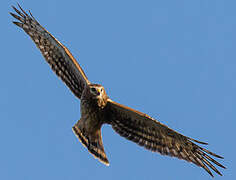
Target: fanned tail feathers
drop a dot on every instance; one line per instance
(93, 142)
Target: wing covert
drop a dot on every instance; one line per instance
(57, 55)
(155, 136)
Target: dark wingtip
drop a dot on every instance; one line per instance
(200, 142)
(17, 23)
(209, 172)
(223, 166)
(213, 154)
(209, 152)
(13, 7)
(31, 14)
(11, 14)
(15, 16)
(219, 156)
(22, 9)
(19, 6)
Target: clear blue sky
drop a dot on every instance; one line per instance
(174, 60)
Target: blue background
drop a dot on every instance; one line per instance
(174, 60)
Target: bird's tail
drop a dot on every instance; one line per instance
(92, 141)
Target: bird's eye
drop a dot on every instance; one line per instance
(93, 89)
(101, 90)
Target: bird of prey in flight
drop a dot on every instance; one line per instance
(97, 108)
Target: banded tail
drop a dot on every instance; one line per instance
(92, 141)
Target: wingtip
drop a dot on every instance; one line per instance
(219, 156)
(19, 5)
(12, 14)
(17, 23)
(216, 155)
(22, 9)
(210, 173)
(15, 16)
(13, 7)
(222, 166)
(197, 141)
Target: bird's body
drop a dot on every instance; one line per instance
(98, 109)
(93, 116)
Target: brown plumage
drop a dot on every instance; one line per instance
(98, 109)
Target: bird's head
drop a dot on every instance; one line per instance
(98, 93)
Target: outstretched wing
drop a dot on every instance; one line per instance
(57, 55)
(145, 131)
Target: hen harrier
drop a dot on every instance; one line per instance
(98, 109)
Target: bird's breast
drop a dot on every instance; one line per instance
(91, 112)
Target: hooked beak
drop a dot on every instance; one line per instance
(99, 94)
